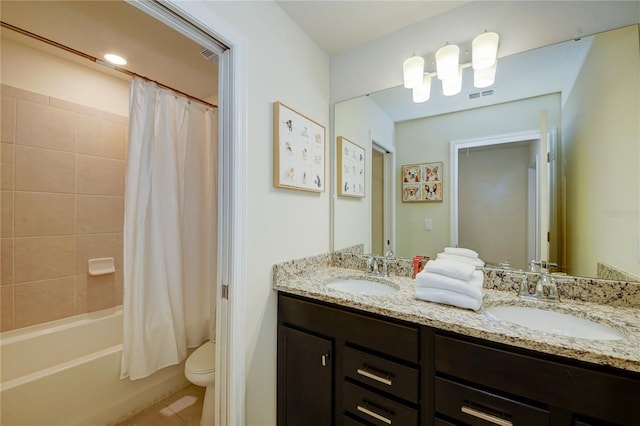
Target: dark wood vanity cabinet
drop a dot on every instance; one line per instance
(338, 366)
(373, 364)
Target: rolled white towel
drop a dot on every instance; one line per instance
(447, 297)
(459, 270)
(478, 263)
(459, 251)
(471, 288)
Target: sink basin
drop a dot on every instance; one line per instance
(553, 322)
(362, 287)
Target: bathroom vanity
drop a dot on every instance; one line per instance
(348, 359)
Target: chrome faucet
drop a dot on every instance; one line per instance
(372, 265)
(544, 288)
(378, 265)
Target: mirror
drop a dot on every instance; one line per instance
(587, 89)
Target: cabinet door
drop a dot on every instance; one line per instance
(305, 373)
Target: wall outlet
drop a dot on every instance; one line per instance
(428, 224)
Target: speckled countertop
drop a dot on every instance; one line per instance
(300, 280)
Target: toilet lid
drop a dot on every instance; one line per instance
(203, 359)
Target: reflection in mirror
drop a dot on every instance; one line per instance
(588, 91)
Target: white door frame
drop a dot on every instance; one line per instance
(457, 145)
(198, 22)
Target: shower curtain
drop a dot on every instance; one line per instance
(169, 229)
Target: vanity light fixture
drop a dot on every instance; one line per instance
(449, 70)
(115, 59)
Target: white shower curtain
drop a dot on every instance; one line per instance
(169, 229)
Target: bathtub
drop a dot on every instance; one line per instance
(67, 372)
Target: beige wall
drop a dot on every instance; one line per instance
(601, 148)
(62, 203)
(284, 65)
(428, 140)
(81, 83)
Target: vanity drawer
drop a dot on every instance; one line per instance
(389, 337)
(376, 409)
(381, 373)
(555, 383)
(477, 407)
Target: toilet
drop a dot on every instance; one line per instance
(200, 370)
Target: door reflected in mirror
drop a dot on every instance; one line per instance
(589, 90)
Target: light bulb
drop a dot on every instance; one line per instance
(484, 50)
(413, 70)
(447, 61)
(422, 93)
(452, 86)
(485, 77)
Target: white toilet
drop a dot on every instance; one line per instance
(200, 369)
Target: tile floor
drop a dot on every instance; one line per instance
(183, 408)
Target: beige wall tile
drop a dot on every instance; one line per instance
(6, 258)
(94, 293)
(116, 118)
(100, 176)
(27, 95)
(44, 170)
(97, 246)
(101, 138)
(6, 177)
(39, 214)
(98, 214)
(8, 119)
(6, 305)
(6, 214)
(43, 258)
(45, 127)
(71, 106)
(119, 292)
(42, 301)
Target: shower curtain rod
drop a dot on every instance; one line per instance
(99, 61)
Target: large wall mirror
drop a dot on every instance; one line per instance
(579, 100)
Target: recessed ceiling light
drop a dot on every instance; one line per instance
(115, 59)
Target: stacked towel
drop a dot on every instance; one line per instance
(451, 283)
(461, 255)
(449, 268)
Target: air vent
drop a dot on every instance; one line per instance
(209, 55)
(478, 95)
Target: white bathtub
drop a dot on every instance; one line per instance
(67, 372)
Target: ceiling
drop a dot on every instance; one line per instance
(97, 27)
(162, 54)
(337, 26)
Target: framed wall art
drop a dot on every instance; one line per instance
(298, 150)
(351, 170)
(422, 182)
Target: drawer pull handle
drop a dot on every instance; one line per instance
(367, 373)
(484, 416)
(373, 414)
(325, 358)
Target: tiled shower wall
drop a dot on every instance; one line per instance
(62, 181)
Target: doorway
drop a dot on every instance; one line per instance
(499, 198)
(197, 22)
(381, 200)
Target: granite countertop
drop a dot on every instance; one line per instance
(623, 353)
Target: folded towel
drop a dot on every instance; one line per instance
(459, 270)
(471, 288)
(459, 251)
(447, 297)
(478, 263)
